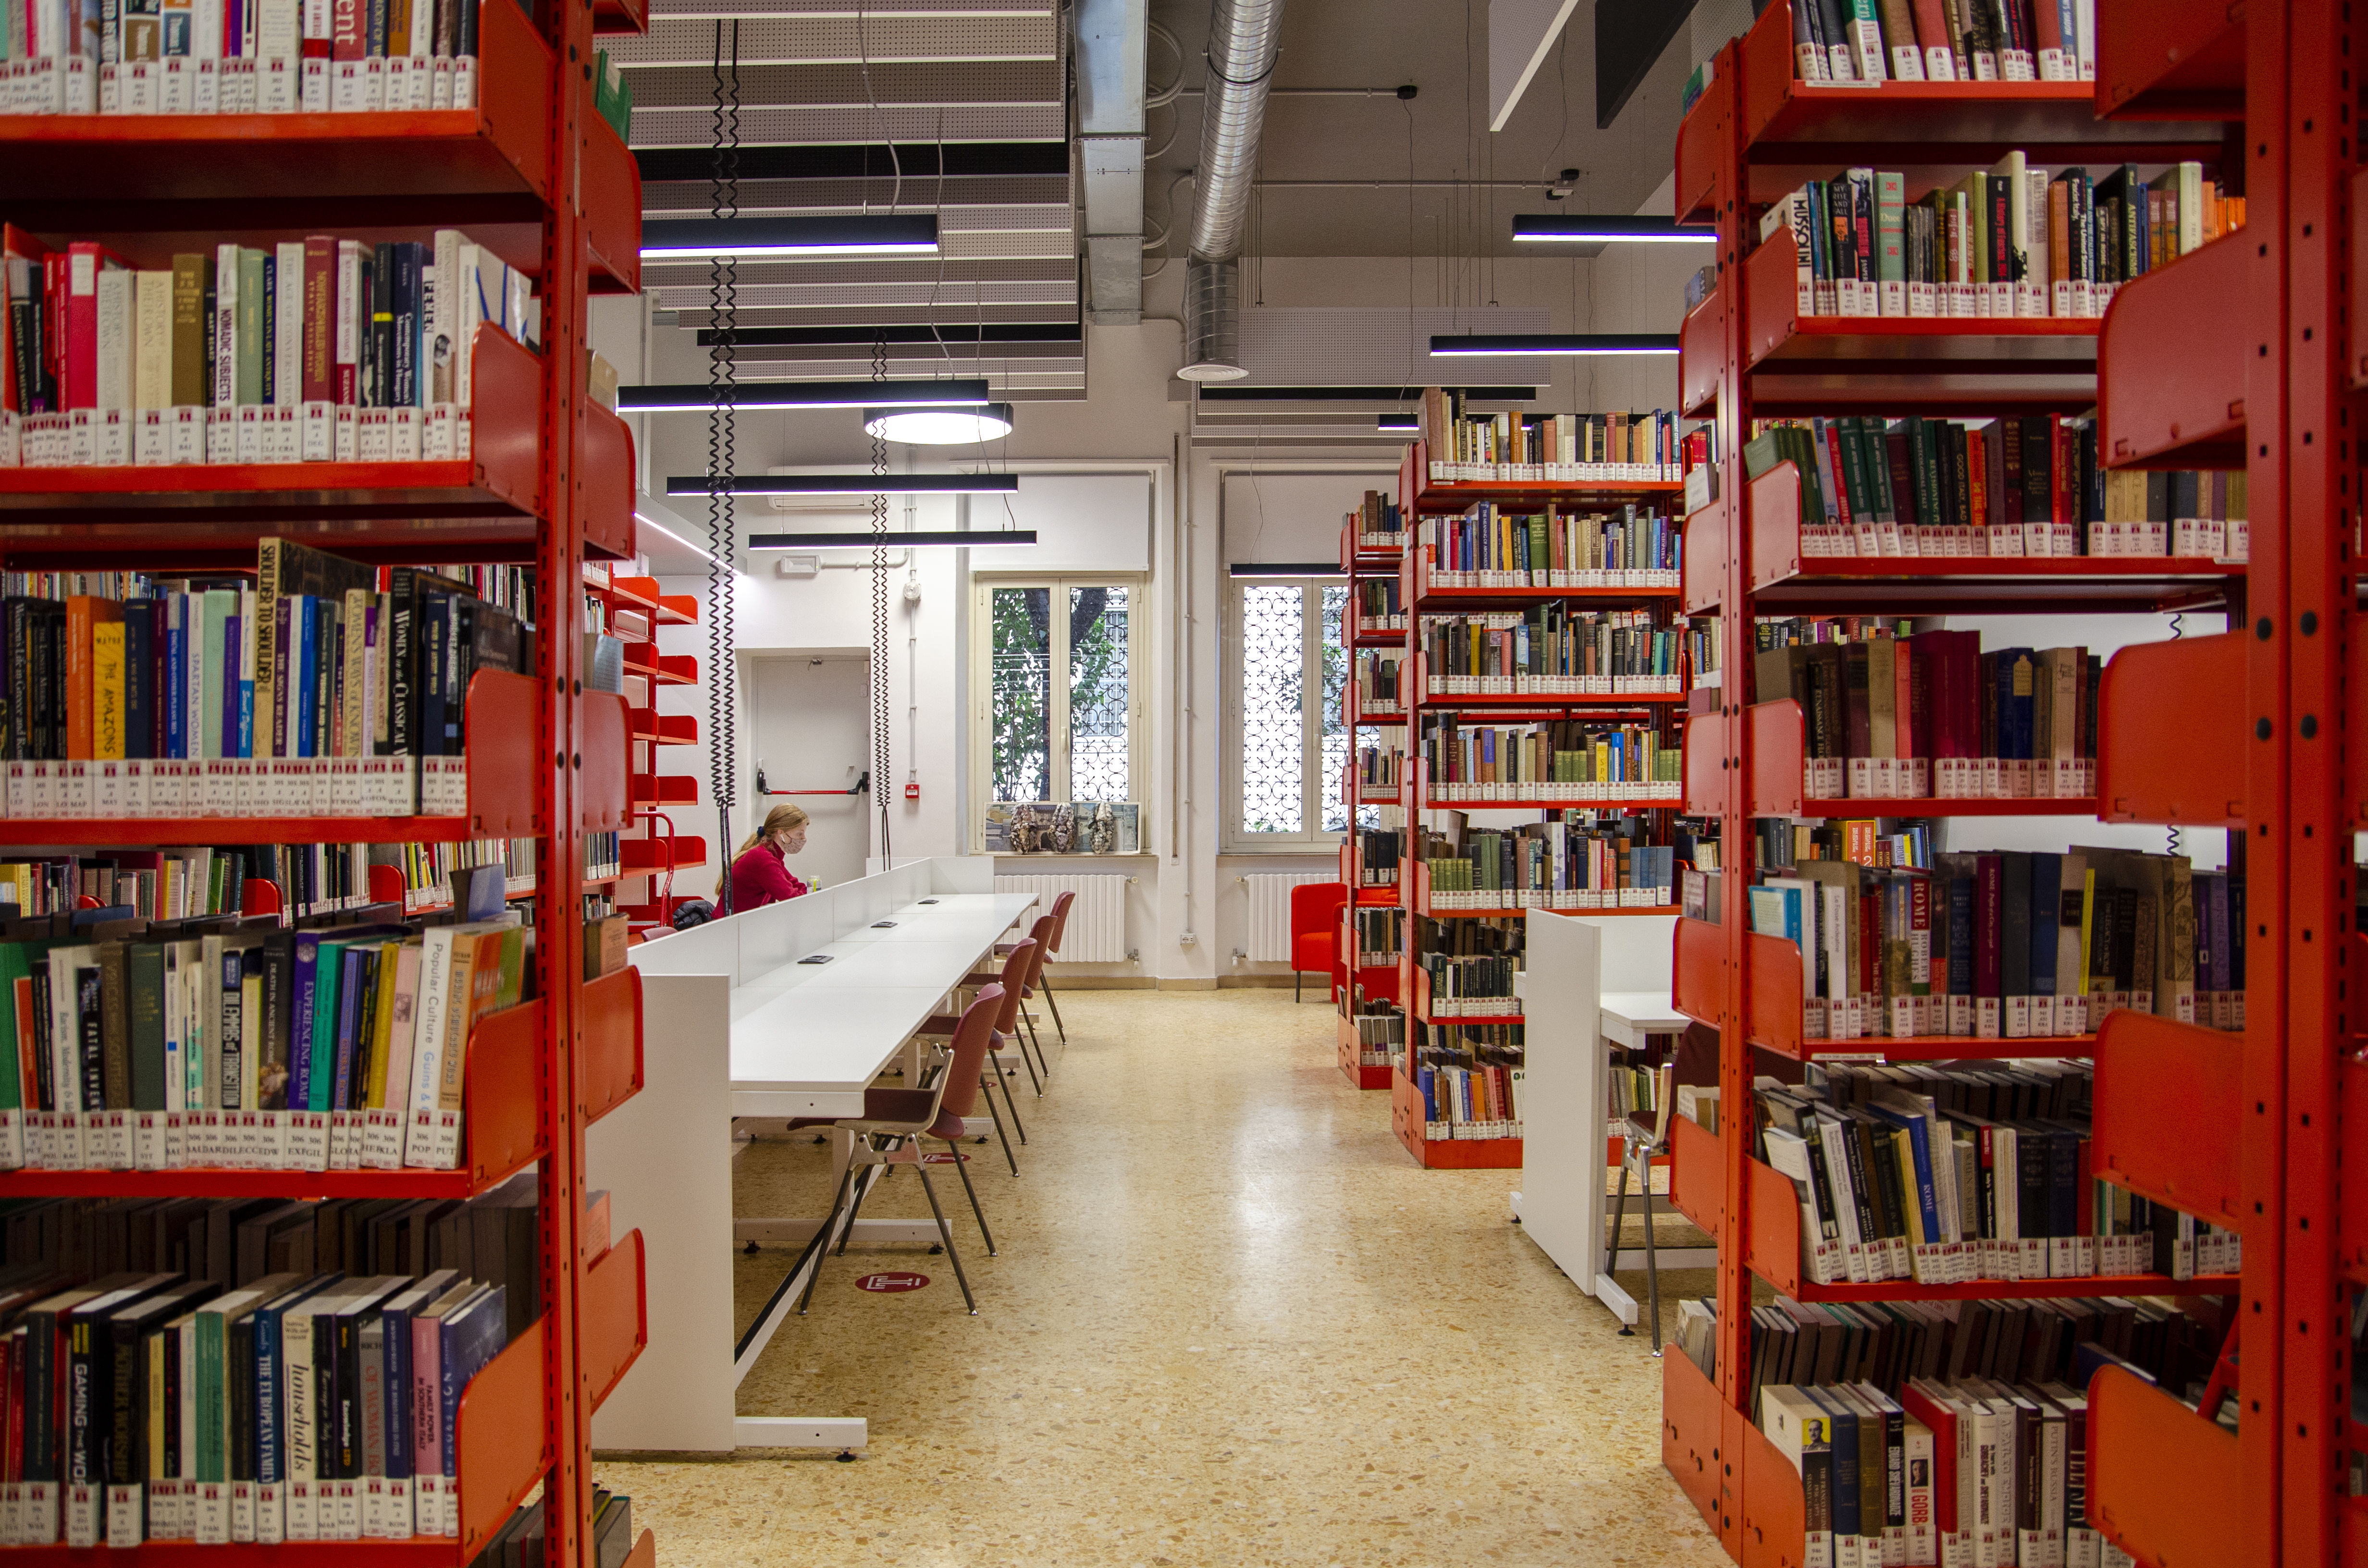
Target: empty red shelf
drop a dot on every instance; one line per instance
(661, 853)
(664, 609)
(664, 729)
(502, 147)
(2155, 1073)
(663, 669)
(2164, 1484)
(1697, 1174)
(612, 1006)
(2191, 773)
(2174, 356)
(612, 209)
(614, 1316)
(2170, 59)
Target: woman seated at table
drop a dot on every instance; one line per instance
(760, 875)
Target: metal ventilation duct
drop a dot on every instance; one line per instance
(1112, 38)
(1243, 36)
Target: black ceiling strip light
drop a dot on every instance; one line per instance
(865, 337)
(1238, 393)
(1489, 345)
(851, 485)
(865, 540)
(1285, 569)
(912, 393)
(975, 159)
(1606, 229)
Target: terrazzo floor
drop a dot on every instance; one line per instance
(1231, 1324)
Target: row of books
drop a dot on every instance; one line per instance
(1377, 936)
(1555, 759)
(1378, 685)
(1472, 987)
(310, 882)
(2014, 242)
(2011, 945)
(1379, 850)
(317, 350)
(1470, 1076)
(1548, 865)
(289, 1050)
(1944, 41)
(1381, 1030)
(1378, 609)
(1784, 843)
(1379, 767)
(2005, 487)
(1899, 1186)
(328, 687)
(426, 870)
(1376, 524)
(1933, 715)
(1496, 547)
(1567, 448)
(239, 57)
(1701, 654)
(1553, 650)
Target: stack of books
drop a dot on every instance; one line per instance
(1932, 715)
(323, 687)
(271, 1050)
(1555, 759)
(1554, 449)
(1997, 488)
(1548, 865)
(1952, 1175)
(212, 58)
(1552, 650)
(1943, 41)
(315, 350)
(1497, 547)
(2016, 241)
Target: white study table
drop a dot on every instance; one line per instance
(736, 1028)
(1630, 1015)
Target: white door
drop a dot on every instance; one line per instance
(813, 732)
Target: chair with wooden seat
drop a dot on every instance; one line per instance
(889, 1132)
(1008, 984)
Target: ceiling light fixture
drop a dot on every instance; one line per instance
(894, 541)
(1599, 229)
(947, 427)
(698, 396)
(1397, 424)
(1284, 569)
(1444, 345)
(852, 484)
(695, 239)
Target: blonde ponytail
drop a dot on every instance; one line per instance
(783, 818)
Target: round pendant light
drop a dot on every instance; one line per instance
(947, 427)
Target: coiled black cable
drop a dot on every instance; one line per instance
(723, 305)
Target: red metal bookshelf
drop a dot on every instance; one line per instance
(533, 174)
(1754, 135)
(1420, 496)
(1364, 563)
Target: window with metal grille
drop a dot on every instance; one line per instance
(1059, 719)
(1286, 746)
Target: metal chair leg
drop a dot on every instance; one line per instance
(996, 1057)
(987, 1091)
(1294, 988)
(945, 1233)
(1652, 1262)
(822, 1238)
(855, 1211)
(1619, 1222)
(1039, 1046)
(1024, 1061)
(962, 1169)
(1055, 1006)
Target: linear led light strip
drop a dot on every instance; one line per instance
(852, 484)
(969, 391)
(1444, 344)
(695, 239)
(1600, 229)
(868, 540)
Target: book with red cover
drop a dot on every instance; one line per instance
(1989, 893)
(17, 245)
(1904, 716)
(85, 260)
(320, 317)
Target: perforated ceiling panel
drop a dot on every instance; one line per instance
(822, 127)
(767, 39)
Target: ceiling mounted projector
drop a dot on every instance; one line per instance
(947, 426)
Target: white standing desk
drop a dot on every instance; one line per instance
(1631, 1015)
(735, 1026)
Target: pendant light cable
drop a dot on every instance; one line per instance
(722, 306)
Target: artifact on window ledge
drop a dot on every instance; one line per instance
(1019, 827)
(1101, 835)
(1064, 838)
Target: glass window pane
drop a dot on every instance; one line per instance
(1022, 694)
(1336, 733)
(1098, 694)
(1273, 728)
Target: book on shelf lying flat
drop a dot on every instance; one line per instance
(338, 1050)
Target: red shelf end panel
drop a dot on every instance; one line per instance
(1698, 970)
(1775, 513)
(1694, 1448)
(612, 211)
(503, 1440)
(607, 471)
(1779, 743)
(2164, 1484)
(603, 790)
(505, 745)
(615, 1314)
(1697, 1174)
(1702, 349)
(2191, 773)
(2171, 390)
(502, 1123)
(2170, 59)
(1707, 537)
(2154, 1073)
(612, 1006)
(1708, 776)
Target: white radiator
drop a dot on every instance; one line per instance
(1097, 932)
(1270, 911)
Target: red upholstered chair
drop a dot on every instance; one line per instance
(1316, 931)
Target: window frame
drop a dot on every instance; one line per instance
(982, 664)
(1315, 788)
